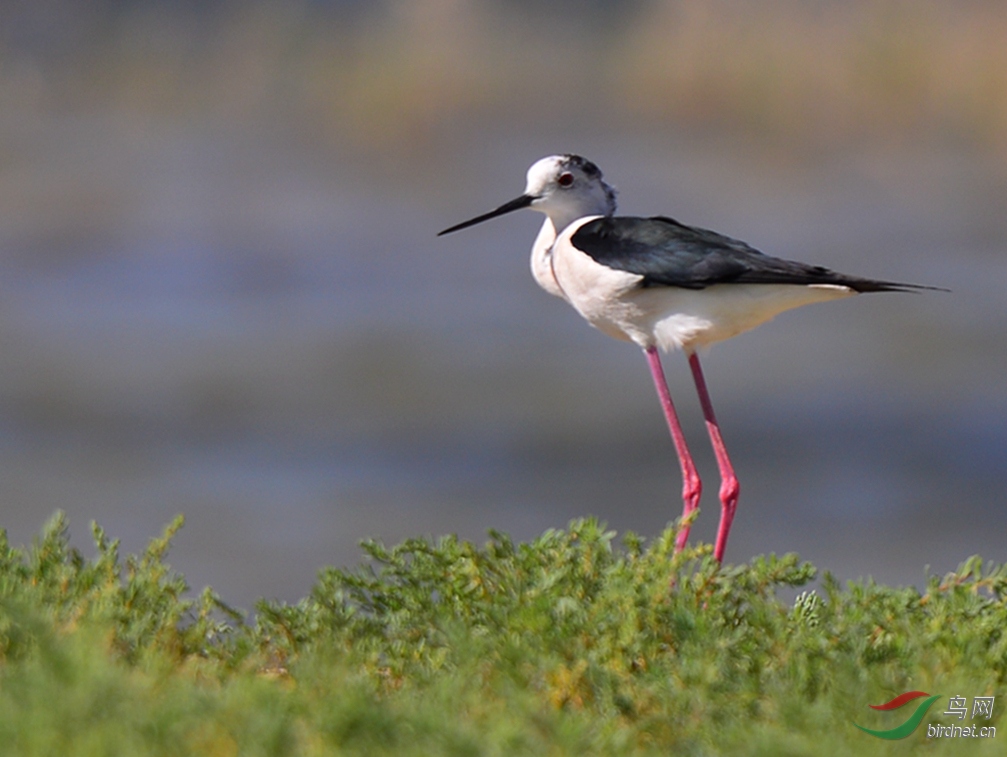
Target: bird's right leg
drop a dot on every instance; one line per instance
(692, 487)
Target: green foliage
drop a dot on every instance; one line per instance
(570, 644)
(55, 588)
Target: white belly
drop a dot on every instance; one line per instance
(689, 318)
(670, 317)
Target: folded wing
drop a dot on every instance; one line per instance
(668, 253)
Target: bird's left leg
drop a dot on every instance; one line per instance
(729, 487)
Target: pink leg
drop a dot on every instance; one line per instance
(729, 487)
(692, 487)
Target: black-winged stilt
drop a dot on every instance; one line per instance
(663, 285)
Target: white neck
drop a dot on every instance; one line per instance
(541, 259)
(562, 214)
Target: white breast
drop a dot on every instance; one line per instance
(602, 295)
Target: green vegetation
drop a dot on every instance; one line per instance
(566, 645)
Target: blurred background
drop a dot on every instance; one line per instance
(221, 293)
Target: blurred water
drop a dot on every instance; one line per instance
(276, 345)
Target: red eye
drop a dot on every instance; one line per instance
(565, 179)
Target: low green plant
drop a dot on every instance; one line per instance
(569, 644)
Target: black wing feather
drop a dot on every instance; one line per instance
(668, 253)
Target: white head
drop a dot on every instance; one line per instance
(564, 187)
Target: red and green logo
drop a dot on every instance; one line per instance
(914, 720)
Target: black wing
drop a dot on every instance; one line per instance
(668, 253)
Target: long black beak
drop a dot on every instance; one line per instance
(521, 202)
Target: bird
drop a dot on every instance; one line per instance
(664, 286)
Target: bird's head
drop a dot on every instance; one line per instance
(564, 187)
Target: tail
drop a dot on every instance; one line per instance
(862, 286)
